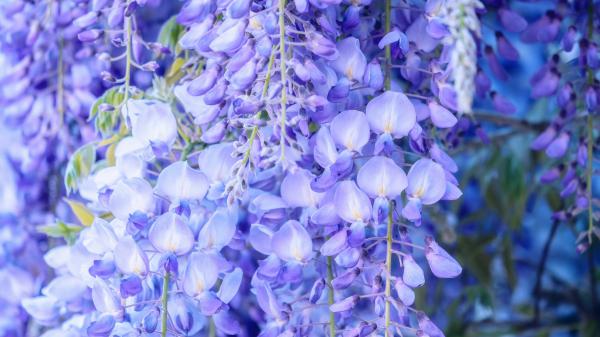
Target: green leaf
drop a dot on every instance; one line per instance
(81, 212)
(169, 34)
(111, 96)
(472, 253)
(79, 166)
(506, 191)
(507, 261)
(61, 230)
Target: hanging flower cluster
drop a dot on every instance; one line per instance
(569, 139)
(263, 168)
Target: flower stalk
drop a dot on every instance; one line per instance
(283, 72)
(128, 59)
(388, 266)
(164, 301)
(389, 237)
(60, 91)
(330, 297)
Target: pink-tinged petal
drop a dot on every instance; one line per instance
(179, 181)
(130, 196)
(441, 263)
(381, 177)
(426, 181)
(218, 231)
(351, 61)
(292, 243)
(129, 257)
(324, 152)
(558, 147)
(412, 275)
(200, 275)
(350, 129)
(170, 233)
(512, 21)
(352, 204)
(296, 190)
(391, 112)
(441, 117)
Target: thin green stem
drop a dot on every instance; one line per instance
(268, 76)
(330, 297)
(212, 329)
(283, 72)
(128, 34)
(388, 50)
(390, 223)
(164, 301)
(60, 91)
(264, 94)
(388, 265)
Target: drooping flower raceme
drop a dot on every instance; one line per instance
(251, 160)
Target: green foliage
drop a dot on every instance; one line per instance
(505, 190)
(170, 33)
(61, 230)
(507, 261)
(105, 121)
(82, 213)
(472, 252)
(79, 166)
